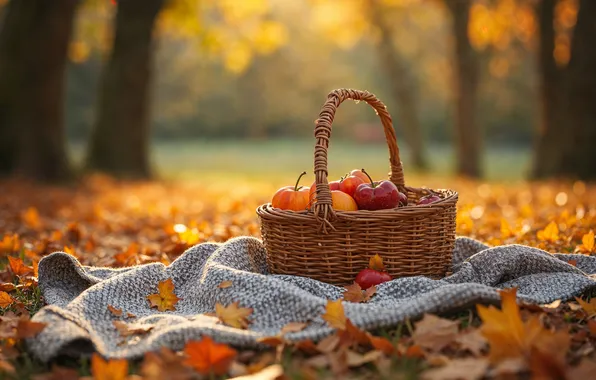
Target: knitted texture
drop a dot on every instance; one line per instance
(79, 322)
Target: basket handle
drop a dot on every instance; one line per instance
(323, 206)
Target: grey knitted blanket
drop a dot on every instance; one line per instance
(79, 321)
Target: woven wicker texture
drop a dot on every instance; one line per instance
(333, 246)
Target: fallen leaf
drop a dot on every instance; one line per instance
(542, 365)
(550, 233)
(115, 311)
(208, 357)
(5, 299)
(376, 263)
(31, 218)
(233, 315)
(354, 293)
(572, 262)
(458, 369)
(506, 231)
(225, 284)
(307, 346)
(18, 268)
(165, 299)
(592, 327)
(587, 245)
(130, 315)
(334, 315)
(382, 344)
(10, 244)
(293, 327)
(510, 338)
(328, 343)
(352, 335)
(585, 370)
(131, 329)
(7, 287)
(165, 364)
(588, 307)
(58, 373)
(553, 305)
(354, 359)
(114, 369)
(28, 329)
(6, 366)
(472, 341)
(433, 333)
(272, 372)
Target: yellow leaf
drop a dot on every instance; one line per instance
(587, 245)
(233, 315)
(165, 299)
(108, 369)
(334, 314)
(506, 231)
(511, 338)
(10, 244)
(5, 299)
(589, 307)
(376, 263)
(550, 233)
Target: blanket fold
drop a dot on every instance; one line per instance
(79, 322)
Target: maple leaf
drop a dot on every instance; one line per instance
(208, 357)
(376, 263)
(28, 329)
(434, 333)
(587, 245)
(511, 338)
(124, 258)
(382, 344)
(10, 244)
(550, 233)
(588, 307)
(458, 369)
(233, 315)
(334, 315)
(225, 284)
(354, 293)
(115, 311)
(165, 298)
(472, 341)
(31, 218)
(127, 330)
(114, 369)
(5, 299)
(18, 268)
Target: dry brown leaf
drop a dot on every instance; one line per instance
(130, 315)
(354, 293)
(433, 333)
(293, 327)
(28, 329)
(225, 284)
(126, 329)
(164, 364)
(354, 359)
(334, 315)
(584, 371)
(233, 315)
(116, 312)
(328, 344)
(472, 340)
(553, 305)
(458, 369)
(272, 372)
(588, 307)
(165, 298)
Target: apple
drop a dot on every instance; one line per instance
(350, 183)
(403, 199)
(295, 198)
(370, 277)
(342, 201)
(358, 173)
(376, 195)
(428, 199)
(333, 185)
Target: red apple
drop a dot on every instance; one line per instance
(350, 183)
(370, 277)
(431, 198)
(376, 195)
(293, 198)
(403, 199)
(334, 185)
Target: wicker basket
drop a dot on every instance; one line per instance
(333, 246)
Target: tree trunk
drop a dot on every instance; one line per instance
(36, 35)
(120, 140)
(401, 86)
(547, 151)
(468, 136)
(579, 158)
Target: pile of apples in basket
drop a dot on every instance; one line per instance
(355, 191)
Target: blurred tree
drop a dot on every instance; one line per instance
(565, 140)
(120, 139)
(33, 46)
(402, 85)
(467, 131)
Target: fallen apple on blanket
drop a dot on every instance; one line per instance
(373, 275)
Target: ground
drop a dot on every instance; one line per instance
(109, 223)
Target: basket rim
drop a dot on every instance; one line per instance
(450, 200)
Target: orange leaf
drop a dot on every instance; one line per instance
(587, 245)
(588, 307)
(31, 218)
(225, 284)
(18, 268)
(71, 251)
(115, 369)
(127, 330)
(28, 329)
(511, 338)
(165, 298)
(550, 233)
(354, 293)
(334, 315)
(10, 244)
(7, 287)
(208, 357)
(124, 257)
(233, 315)
(5, 299)
(376, 263)
(382, 344)
(114, 311)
